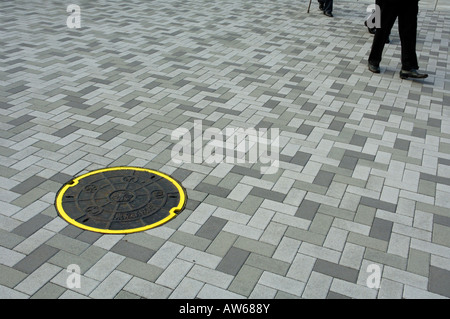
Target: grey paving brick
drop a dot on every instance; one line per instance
(28, 185)
(301, 158)
(381, 229)
(27, 228)
(211, 228)
(307, 209)
(212, 189)
(233, 261)
(336, 270)
(375, 203)
(132, 250)
(35, 259)
(439, 281)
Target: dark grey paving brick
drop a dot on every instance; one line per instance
(435, 179)
(358, 140)
(88, 236)
(35, 259)
(211, 228)
(441, 220)
(61, 178)
(180, 174)
(305, 129)
(28, 184)
(336, 125)
(109, 135)
(323, 178)
(381, 229)
(233, 260)
(444, 161)
(69, 129)
(246, 171)
(213, 189)
(301, 158)
(71, 231)
(335, 295)
(439, 281)
(268, 194)
(29, 227)
(308, 106)
(376, 203)
(21, 120)
(401, 144)
(348, 162)
(132, 250)
(336, 271)
(434, 122)
(419, 132)
(307, 209)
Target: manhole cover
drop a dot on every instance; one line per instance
(120, 200)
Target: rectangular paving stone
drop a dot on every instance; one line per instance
(35, 259)
(27, 185)
(267, 194)
(381, 229)
(211, 228)
(375, 203)
(132, 250)
(301, 158)
(29, 227)
(439, 281)
(146, 289)
(37, 279)
(213, 189)
(336, 270)
(307, 209)
(233, 260)
(245, 280)
(323, 178)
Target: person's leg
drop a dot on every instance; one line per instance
(321, 4)
(389, 13)
(407, 28)
(328, 6)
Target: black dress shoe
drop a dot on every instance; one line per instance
(328, 14)
(321, 6)
(388, 40)
(374, 68)
(413, 74)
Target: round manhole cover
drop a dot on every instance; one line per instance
(120, 200)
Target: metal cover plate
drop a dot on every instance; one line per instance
(120, 200)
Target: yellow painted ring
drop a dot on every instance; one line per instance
(172, 213)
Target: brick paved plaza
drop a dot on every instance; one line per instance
(363, 176)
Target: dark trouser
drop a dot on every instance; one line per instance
(327, 5)
(406, 11)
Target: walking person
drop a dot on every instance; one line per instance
(406, 11)
(327, 7)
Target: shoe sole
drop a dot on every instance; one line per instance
(405, 77)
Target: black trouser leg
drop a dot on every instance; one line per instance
(407, 28)
(328, 6)
(389, 13)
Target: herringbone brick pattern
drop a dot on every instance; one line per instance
(364, 161)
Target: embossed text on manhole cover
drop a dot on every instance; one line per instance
(120, 200)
